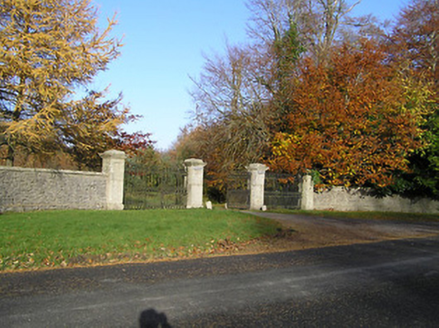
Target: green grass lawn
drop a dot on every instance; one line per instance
(66, 238)
(408, 217)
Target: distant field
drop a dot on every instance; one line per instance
(51, 239)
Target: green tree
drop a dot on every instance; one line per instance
(414, 44)
(48, 48)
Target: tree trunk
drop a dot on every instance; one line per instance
(10, 156)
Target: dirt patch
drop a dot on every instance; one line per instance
(303, 232)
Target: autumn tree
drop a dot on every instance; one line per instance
(318, 23)
(353, 121)
(233, 91)
(92, 125)
(187, 144)
(48, 49)
(416, 37)
(229, 111)
(414, 44)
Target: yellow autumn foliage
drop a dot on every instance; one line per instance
(48, 49)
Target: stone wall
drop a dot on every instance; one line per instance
(342, 199)
(23, 189)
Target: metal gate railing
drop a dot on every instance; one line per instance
(238, 190)
(146, 188)
(282, 191)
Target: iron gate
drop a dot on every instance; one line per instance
(147, 188)
(282, 191)
(238, 190)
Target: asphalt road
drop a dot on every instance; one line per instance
(391, 283)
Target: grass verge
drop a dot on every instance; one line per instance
(390, 216)
(51, 239)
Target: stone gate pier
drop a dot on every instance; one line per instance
(195, 174)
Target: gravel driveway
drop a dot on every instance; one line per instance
(312, 231)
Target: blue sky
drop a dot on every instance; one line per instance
(164, 42)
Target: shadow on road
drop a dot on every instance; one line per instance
(152, 319)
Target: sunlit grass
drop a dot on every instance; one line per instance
(394, 216)
(67, 238)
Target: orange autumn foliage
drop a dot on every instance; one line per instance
(353, 120)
